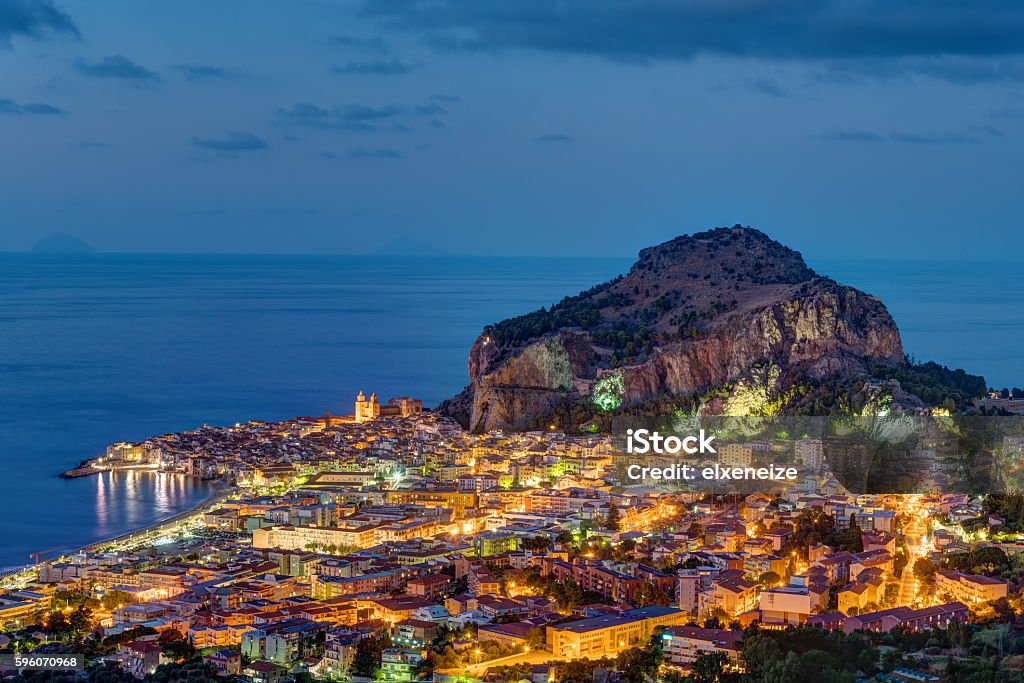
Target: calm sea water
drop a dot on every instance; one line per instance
(103, 348)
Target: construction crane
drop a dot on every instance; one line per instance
(43, 552)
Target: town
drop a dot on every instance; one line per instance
(391, 544)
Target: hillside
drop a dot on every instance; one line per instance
(725, 310)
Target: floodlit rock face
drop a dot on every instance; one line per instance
(692, 313)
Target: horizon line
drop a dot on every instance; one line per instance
(272, 254)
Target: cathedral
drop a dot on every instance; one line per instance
(366, 410)
(370, 409)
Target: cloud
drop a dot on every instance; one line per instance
(445, 99)
(28, 108)
(379, 68)
(207, 72)
(806, 30)
(989, 130)
(851, 136)
(116, 66)
(373, 44)
(364, 153)
(33, 19)
(959, 70)
(934, 139)
(232, 142)
(358, 117)
(553, 137)
(766, 86)
(1008, 114)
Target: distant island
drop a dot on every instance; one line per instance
(62, 243)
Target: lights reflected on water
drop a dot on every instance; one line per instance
(131, 499)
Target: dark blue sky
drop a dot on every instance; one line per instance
(590, 127)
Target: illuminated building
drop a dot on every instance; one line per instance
(458, 501)
(735, 455)
(970, 588)
(607, 635)
(683, 644)
(290, 537)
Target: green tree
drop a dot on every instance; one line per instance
(564, 537)
(760, 653)
(568, 594)
(535, 637)
(611, 521)
(713, 668)
(538, 543)
(114, 599)
(81, 620)
(57, 622)
(785, 670)
(366, 661)
(640, 664)
(990, 559)
(651, 594)
(924, 570)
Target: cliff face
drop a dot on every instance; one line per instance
(692, 313)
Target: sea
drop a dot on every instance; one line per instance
(100, 348)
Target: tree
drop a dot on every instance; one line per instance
(366, 661)
(760, 653)
(114, 599)
(924, 570)
(57, 622)
(81, 620)
(993, 637)
(651, 594)
(769, 580)
(990, 559)
(786, 670)
(891, 659)
(179, 650)
(535, 637)
(611, 521)
(713, 668)
(639, 664)
(568, 594)
(538, 543)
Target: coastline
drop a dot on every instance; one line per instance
(221, 492)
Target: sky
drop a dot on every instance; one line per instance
(843, 128)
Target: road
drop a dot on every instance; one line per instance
(915, 531)
(531, 657)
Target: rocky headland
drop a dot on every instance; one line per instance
(729, 316)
